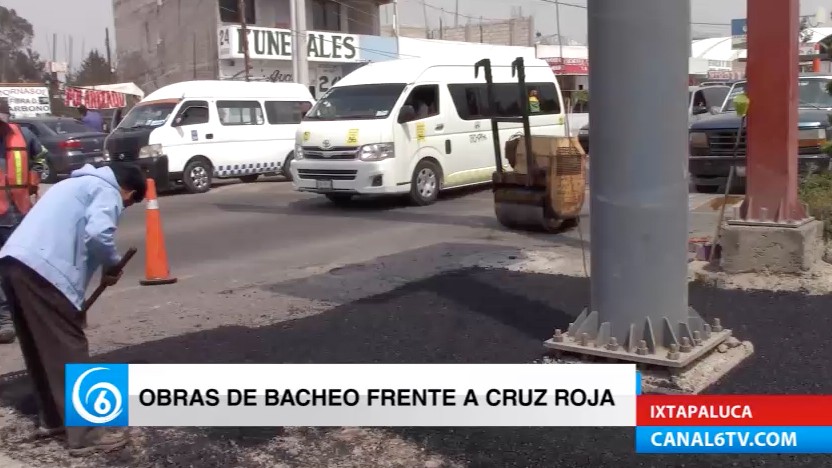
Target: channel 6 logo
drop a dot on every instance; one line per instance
(95, 395)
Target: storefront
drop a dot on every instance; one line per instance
(570, 64)
(331, 55)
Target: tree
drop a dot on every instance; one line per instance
(94, 70)
(17, 61)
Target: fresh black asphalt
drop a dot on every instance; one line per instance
(494, 316)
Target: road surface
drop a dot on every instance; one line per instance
(270, 275)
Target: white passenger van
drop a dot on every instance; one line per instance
(415, 126)
(193, 131)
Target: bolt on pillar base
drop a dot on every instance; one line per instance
(685, 342)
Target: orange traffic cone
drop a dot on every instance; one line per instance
(157, 270)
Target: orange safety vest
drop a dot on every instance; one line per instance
(16, 181)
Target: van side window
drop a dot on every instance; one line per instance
(240, 112)
(286, 112)
(471, 100)
(192, 113)
(425, 101)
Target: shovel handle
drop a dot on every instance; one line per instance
(101, 287)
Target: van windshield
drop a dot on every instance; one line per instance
(359, 102)
(148, 115)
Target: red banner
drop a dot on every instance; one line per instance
(725, 75)
(568, 66)
(94, 99)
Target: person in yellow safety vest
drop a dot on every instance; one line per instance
(21, 158)
(534, 102)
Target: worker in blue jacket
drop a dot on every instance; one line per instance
(46, 266)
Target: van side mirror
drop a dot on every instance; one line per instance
(178, 120)
(716, 110)
(407, 114)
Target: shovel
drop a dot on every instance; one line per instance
(101, 287)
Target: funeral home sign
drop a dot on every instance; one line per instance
(276, 44)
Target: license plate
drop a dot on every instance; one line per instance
(324, 184)
(740, 171)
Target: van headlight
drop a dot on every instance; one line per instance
(298, 153)
(813, 138)
(698, 139)
(150, 151)
(376, 152)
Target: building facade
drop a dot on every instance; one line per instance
(167, 41)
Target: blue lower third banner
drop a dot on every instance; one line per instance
(736, 439)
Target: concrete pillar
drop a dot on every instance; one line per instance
(639, 188)
(773, 233)
(772, 71)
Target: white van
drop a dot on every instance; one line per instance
(415, 126)
(193, 131)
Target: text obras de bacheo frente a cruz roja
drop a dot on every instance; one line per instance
(377, 397)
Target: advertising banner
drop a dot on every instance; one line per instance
(27, 101)
(94, 99)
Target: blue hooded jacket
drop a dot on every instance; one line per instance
(70, 232)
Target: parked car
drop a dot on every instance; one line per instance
(712, 139)
(70, 144)
(702, 101)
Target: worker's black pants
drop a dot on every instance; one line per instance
(49, 331)
(5, 309)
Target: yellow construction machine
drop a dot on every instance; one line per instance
(546, 186)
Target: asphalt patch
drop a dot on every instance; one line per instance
(490, 316)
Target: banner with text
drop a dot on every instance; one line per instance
(93, 98)
(276, 44)
(382, 395)
(27, 101)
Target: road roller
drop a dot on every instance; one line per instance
(544, 185)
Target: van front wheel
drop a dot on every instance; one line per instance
(197, 176)
(424, 186)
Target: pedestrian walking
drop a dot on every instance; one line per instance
(20, 151)
(47, 264)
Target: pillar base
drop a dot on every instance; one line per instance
(691, 380)
(771, 248)
(686, 341)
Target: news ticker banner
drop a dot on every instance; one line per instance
(734, 424)
(380, 395)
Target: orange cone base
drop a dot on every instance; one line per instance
(158, 281)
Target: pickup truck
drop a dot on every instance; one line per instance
(712, 138)
(702, 101)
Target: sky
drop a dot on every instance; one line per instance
(84, 21)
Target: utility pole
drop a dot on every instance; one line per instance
(300, 49)
(396, 18)
(638, 309)
(293, 29)
(194, 54)
(560, 39)
(480, 29)
(241, 7)
(425, 12)
(456, 15)
(109, 52)
(441, 25)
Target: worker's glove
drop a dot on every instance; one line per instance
(109, 277)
